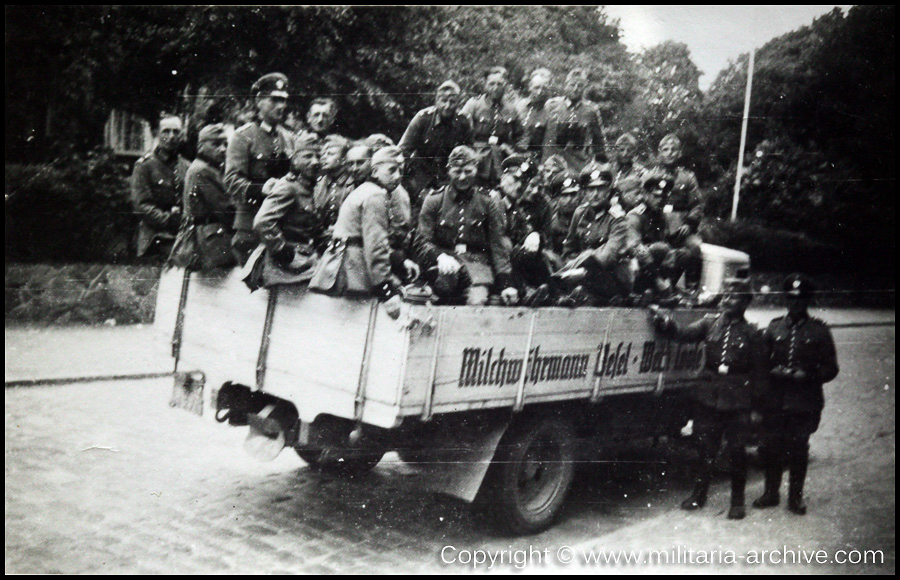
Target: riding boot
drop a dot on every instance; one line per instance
(773, 470)
(796, 478)
(738, 484)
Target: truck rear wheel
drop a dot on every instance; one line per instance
(530, 476)
(346, 462)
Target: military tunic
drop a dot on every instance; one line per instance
(288, 215)
(734, 364)
(157, 185)
(627, 182)
(533, 117)
(426, 144)
(256, 153)
(575, 131)
(467, 225)
(359, 258)
(685, 201)
(329, 193)
(531, 214)
(807, 345)
(496, 131)
(205, 199)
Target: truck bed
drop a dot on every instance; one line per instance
(347, 358)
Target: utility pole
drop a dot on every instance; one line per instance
(740, 165)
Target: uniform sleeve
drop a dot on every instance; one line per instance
(237, 170)
(142, 200)
(274, 207)
(694, 332)
(426, 251)
(695, 203)
(761, 362)
(609, 253)
(376, 242)
(827, 369)
(210, 190)
(598, 139)
(412, 137)
(551, 135)
(499, 247)
(572, 245)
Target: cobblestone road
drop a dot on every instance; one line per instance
(105, 478)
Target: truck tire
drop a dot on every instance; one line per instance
(529, 477)
(341, 462)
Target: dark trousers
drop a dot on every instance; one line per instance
(711, 426)
(785, 443)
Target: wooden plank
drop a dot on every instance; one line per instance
(481, 357)
(223, 324)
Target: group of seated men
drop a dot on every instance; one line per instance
(491, 203)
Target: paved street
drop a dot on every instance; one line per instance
(102, 477)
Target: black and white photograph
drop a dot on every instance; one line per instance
(450, 289)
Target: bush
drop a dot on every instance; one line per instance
(775, 250)
(72, 210)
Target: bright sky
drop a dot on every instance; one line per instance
(714, 34)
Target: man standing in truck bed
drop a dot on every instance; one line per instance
(258, 151)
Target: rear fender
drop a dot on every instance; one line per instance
(456, 460)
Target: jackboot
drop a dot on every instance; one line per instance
(738, 485)
(773, 468)
(697, 499)
(796, 479)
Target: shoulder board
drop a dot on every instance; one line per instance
(428, 110)
(818, 321)
(144, 157)
(245, 128)
(616, 211)
(638, 210)
(713, 315)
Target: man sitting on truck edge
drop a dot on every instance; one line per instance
(735, 371)
(287, 222)
(360, 259)
(459, 241)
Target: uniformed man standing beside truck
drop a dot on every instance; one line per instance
(157, 184)
(258, 151)
(735, 371)
(802, 358)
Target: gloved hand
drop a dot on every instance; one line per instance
(392, 306)
(532, 242)
(509, 296)
(447, 264)
(412, 270)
